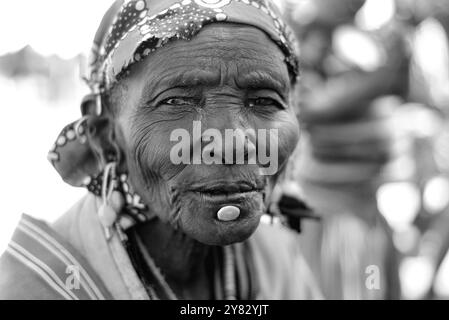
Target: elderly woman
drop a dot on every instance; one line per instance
(152, 227)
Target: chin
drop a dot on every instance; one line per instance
(197, 216)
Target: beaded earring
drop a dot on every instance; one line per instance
(113, 201)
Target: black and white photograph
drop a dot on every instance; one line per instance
(245, 151)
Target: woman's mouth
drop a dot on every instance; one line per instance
(229, 201)
(219, 209)
(226, 192)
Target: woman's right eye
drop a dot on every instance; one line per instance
(180, 101)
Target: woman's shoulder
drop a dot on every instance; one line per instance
(18, 282)
(38, 264)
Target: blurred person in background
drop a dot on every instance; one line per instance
(150, 228)
(354, 80)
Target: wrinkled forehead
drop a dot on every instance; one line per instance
(221, 53)
(132, 30)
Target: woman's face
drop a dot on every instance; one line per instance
(227, 77)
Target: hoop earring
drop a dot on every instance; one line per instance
(113, 201)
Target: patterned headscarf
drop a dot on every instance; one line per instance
(132, 30)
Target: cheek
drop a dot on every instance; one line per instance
(147, 138)
(288, 136)
(287, 127)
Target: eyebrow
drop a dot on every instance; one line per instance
(262, 79)
(187, 79)
(256, 80)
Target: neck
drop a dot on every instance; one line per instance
(180, 258)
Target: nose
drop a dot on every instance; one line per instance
(233, 149)
(228, 139)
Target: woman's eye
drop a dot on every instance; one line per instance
(179, 101)
(265, 102)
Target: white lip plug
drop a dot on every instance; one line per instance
(228, 213)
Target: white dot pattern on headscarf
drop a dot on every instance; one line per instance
(213, 4)
(182, 20)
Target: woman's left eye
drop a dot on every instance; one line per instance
(265, 102)
(180, 101)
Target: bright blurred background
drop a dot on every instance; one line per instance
(43, 47)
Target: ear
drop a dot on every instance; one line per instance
(101, 130)
(84, 147)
